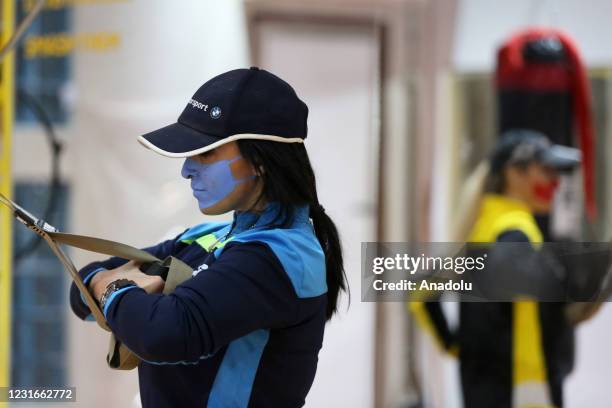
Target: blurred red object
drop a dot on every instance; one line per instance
(543, 85)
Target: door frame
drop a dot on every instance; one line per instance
(407, 112)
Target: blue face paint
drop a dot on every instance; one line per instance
(211, 183)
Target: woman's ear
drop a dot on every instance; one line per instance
(516, 178)
(257, 169)
(511, 176)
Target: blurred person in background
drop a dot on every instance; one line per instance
(246, 329)
(511, 354)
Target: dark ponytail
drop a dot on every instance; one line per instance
(328, 237)
(288, 179)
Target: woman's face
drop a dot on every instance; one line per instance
(222, 180)
(535, 184)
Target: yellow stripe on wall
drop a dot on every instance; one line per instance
(6, 128)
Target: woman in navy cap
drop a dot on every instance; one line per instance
(246, 329)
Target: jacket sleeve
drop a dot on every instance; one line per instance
(430, 317)
(517, 268)
(246, 289)
(77, 303)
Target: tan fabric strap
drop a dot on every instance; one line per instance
(119, 356)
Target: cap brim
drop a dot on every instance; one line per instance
(561, 157)
(178, 140)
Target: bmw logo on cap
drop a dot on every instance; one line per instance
(215, 112)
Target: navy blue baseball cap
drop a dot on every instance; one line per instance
(240, 104)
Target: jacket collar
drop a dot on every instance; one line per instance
(501, 204)
(245, 220)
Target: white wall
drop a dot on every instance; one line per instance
(343, 97)
(484, 24)
(119, 189)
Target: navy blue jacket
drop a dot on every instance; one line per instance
(245, 330)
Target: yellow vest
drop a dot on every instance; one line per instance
(498, 214)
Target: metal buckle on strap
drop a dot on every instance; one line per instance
(26, 218)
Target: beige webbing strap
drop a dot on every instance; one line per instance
(98, 245)
(42, 230)
(91, 302)
(119, 356)
(178, 273)
(103, 246)
(53, 237)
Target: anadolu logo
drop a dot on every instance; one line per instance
(215, 112)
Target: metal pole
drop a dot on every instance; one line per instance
(6, 129)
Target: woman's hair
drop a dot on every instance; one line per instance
(470, 200)
(289, 180)
(496, 180)
(483, 179)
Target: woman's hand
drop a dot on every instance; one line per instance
(579, 312)
(151, 284)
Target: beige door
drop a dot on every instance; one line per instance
(333, 69)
